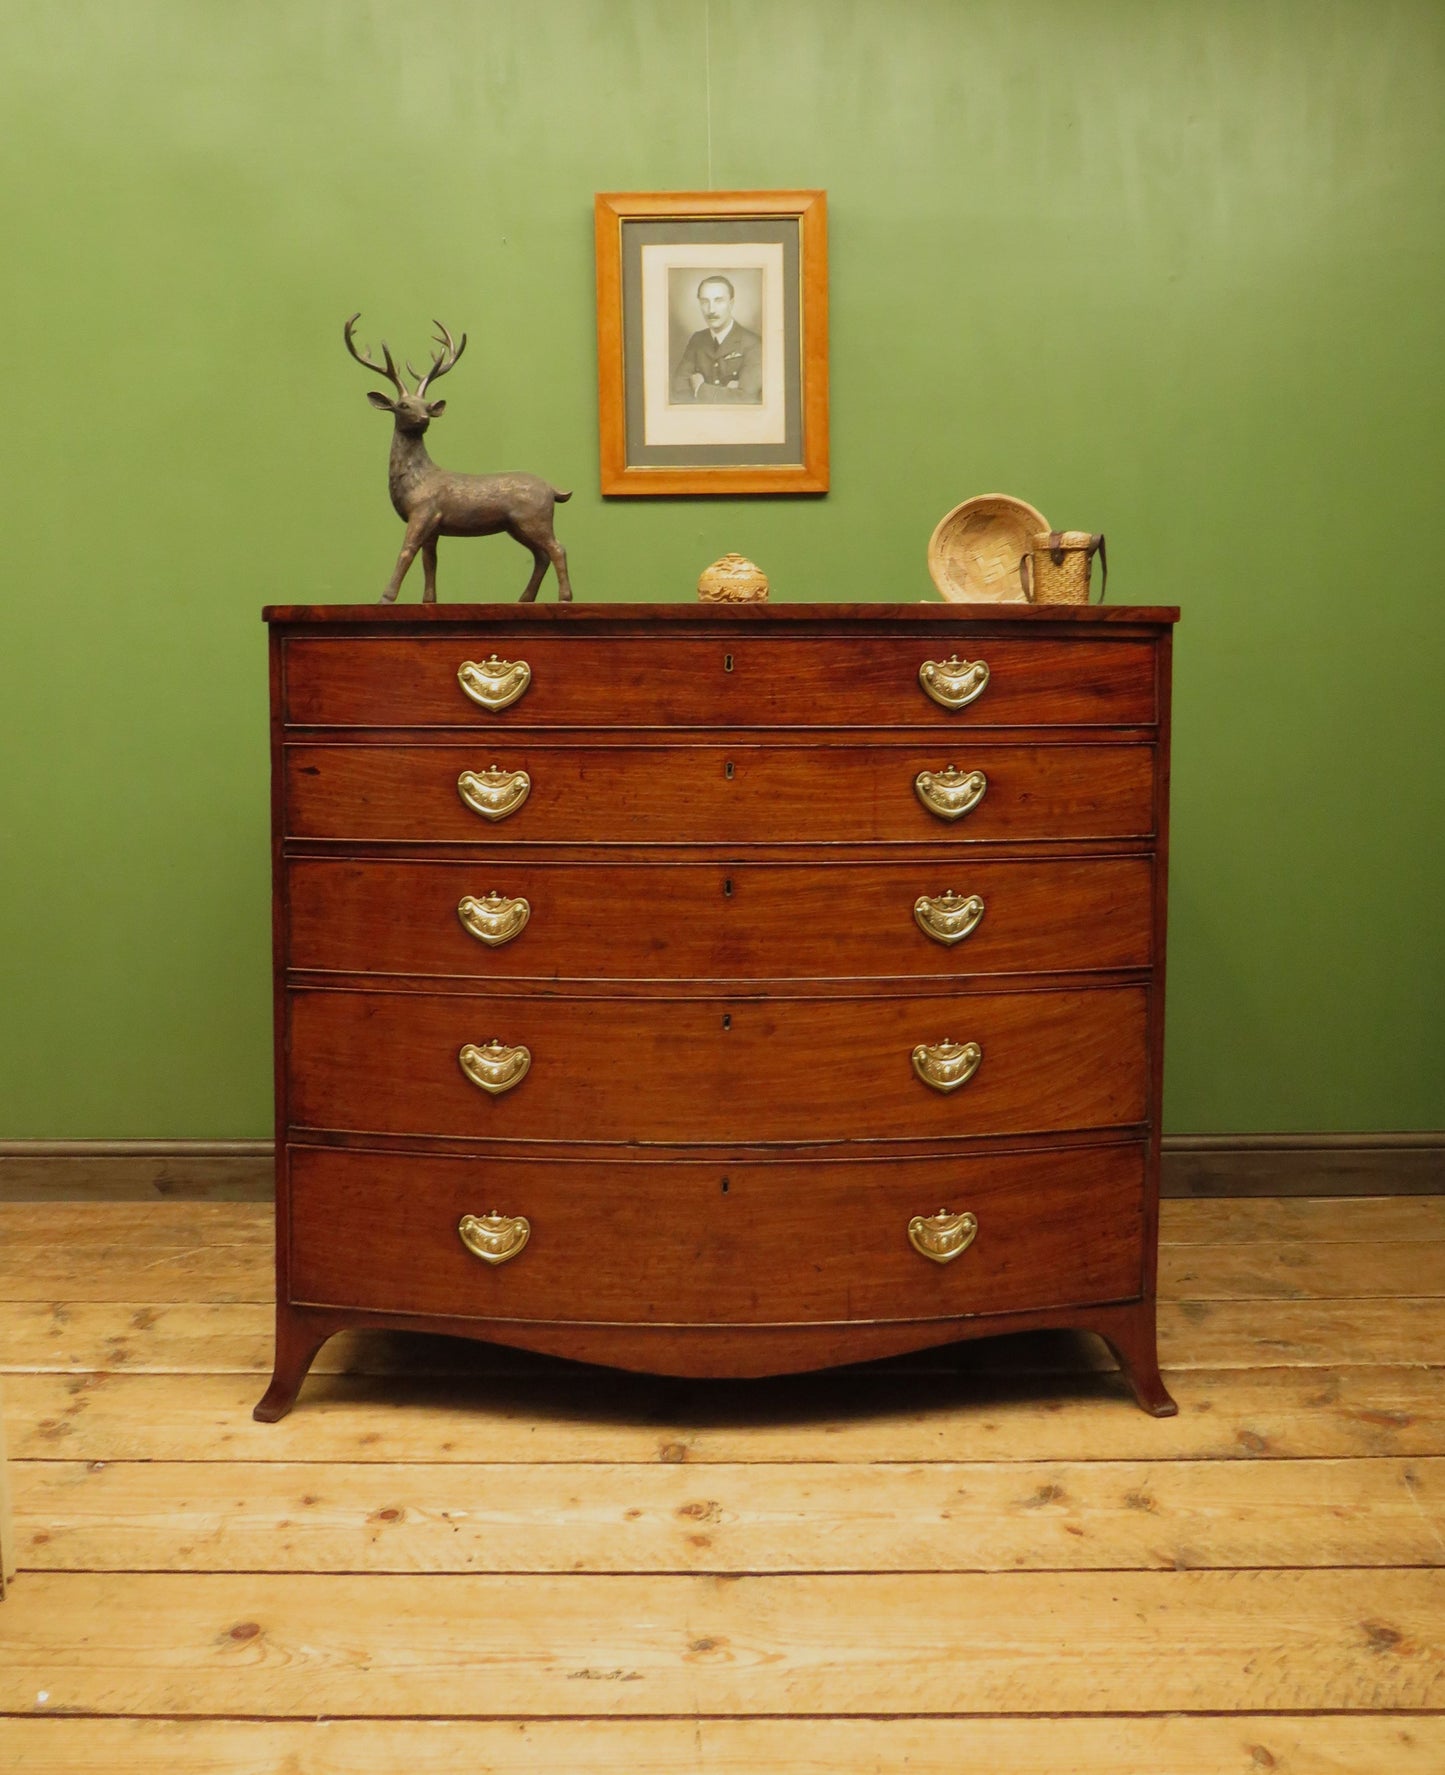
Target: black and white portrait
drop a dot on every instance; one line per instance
(720, 361)
(714, 362)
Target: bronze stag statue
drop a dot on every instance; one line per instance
(435, 503)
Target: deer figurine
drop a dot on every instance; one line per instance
(434, 502)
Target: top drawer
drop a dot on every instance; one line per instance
(762, 681)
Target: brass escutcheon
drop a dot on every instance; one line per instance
(953, 683)
(948, 918)
(494, 793)
(495, 1238)
(496, 1067)
(494, 920)
(950, 793)
(495, 684)
(947, 1064)
(943, 1236)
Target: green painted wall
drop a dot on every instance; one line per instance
(1173, 271)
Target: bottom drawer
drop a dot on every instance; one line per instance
(694, 1242)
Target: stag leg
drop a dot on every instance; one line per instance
(416, 532)
(429, 570)
(559, 561)
(540, 557)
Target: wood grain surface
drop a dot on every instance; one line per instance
(722, 1243)
(1196, 1744)
(699, 1072)
(1408, 1743)
(310, 1516)
(750, 680)
(718, 921)
(738, 793)
(836, 1644)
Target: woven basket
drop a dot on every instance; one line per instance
(973, 554)
(1055, 569)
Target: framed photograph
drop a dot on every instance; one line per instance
(712, 341)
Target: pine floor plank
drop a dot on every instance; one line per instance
(1380, 1271)
(299, 1645)
(873, 1415)
(202, 1338)
(216, 1516)
(1242, 1744)
(1314, 1220)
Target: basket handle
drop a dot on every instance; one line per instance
(1096, 547)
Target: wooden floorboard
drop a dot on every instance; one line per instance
(210, 1516)
(977, 1559)
(1233, 1744)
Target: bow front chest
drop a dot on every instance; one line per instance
(718, 991)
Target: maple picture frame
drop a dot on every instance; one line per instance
(712, 342)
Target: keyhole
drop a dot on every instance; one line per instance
(727, 662)
(724, 1186)
(727, 1019)
(728, 888)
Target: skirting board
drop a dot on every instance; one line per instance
(1193, 1165)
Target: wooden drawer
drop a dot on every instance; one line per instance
(722, 1243)
(717, 921)
(729, 681)
(711, 794)
(730, 1071)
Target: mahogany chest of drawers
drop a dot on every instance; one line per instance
(718, 991)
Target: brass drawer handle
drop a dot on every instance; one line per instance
(494, 793)
(946, 1065)
(496, 1067)
(948, 918)
(953, 683)
(495, 684)
(495, 1238)
(494, 920)
(950, 793)
(942, 1236)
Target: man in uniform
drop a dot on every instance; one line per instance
(723, 362)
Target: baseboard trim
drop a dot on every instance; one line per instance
(1303, 1165)
(136, 1170)
(1193, 1165)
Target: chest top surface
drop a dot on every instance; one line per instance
(682, 618)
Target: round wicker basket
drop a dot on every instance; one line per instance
(974, 553)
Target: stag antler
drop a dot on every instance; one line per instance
(444, 360)
(388, 369)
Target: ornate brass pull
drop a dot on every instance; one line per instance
(947, 918)
(950, 793)
(494, 793)
(495, 684)
(495, 1238)
(943, 1236)
(953, 683)
(494, 920)
(946, 1065)
(496, 1067)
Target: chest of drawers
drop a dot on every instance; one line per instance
(718, 992)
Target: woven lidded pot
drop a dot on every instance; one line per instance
(1059, 566)
(733, 580)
